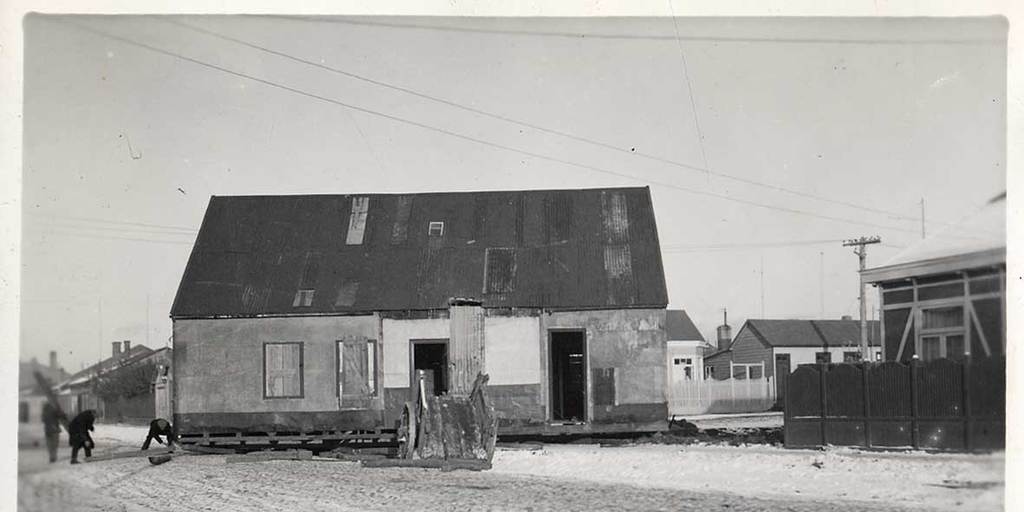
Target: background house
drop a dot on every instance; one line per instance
(30, 397)
(314, 312)
(685, 347)
(777, 347)
(946, 295)
(118, 388)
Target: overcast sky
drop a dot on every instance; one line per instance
(807, 131)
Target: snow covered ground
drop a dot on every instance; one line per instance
(648, 477)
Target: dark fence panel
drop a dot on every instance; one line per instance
(939, 405)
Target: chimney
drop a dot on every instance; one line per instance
(847, 317)
(127, 346)
(53, 359)
(116, 349)
(724, 331)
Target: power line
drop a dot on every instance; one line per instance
(102, 237)
(641, 37)
(689, 87)
(632, 152)
(108, 221)
(467, 137)
(117, 229)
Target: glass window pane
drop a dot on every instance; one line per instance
(941, 291)
(941, 318)
(955, 347)
(931, 348)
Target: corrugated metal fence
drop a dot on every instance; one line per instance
(710, 396)
(939, 405)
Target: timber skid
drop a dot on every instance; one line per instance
(316, 441)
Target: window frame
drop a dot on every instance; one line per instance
(430, 228)
(371, 370)
(302, 372)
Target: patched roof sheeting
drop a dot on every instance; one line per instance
(251, 253)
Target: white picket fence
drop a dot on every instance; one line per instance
(734, 395)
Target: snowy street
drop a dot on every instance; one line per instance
(565, 477)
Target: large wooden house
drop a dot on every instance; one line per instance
(313, 313)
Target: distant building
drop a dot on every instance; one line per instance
(945, 297)
(80, 391)
(686, 347)
(314, 313)
(782, 345)
(30, 397)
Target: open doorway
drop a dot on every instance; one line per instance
(568, 376)
(431, 355)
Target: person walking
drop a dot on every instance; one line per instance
(51, 427)
(78, 434)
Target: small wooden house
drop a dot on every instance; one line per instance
(774, 348)
(313, 313)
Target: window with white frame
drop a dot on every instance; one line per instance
(435, 228)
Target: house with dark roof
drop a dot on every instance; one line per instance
(82, 389)
(315, 312)
(777, 347)
(685, 347)
(945, 296)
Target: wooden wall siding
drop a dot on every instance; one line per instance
(218, 363)
(632, 342)
(465, 348)
(748, 349)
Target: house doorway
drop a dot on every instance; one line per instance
(568, 376)
(781, 378)
(431, 355)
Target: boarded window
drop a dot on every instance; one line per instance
(616, 217)
(435, 228)
(604, 386)
(357, 371)
(499, 270)
(357, 220)
(400, 229)
(282, 370)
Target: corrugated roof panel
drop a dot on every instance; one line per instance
(255, 247)
(357, 220)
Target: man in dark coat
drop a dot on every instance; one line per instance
(160, 427)
(51, 426)
(78, 432)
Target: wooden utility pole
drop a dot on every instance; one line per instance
(861, 251)
(922, 218)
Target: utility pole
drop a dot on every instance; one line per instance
(922, 217)
(861, 251)
(762, 286)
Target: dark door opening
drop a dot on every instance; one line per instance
(781, 378)
(568, 376)
(431, 356)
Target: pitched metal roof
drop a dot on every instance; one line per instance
(678, 326)
(592, 248)
(978, 240)
(812, 333)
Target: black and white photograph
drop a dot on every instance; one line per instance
(283, 261)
